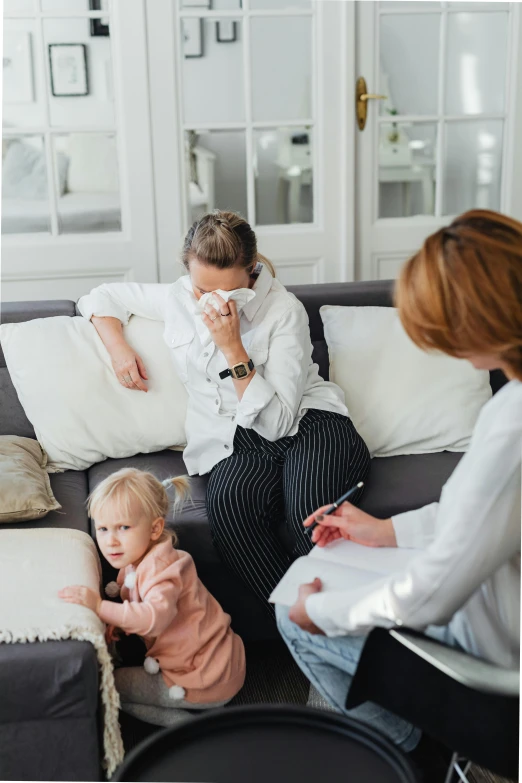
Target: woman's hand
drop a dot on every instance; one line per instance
(126, 363)
(224, 328)
(351, 523)
(128, 367)
(77, 594)
(298, 613)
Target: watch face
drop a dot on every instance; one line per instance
(241, 371)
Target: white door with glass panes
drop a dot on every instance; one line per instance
(259, 126)
(77, 184)
(439, 131)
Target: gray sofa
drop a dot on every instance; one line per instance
(49, 712)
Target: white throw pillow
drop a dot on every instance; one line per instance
(93, 166)
(401, 399)
(81, 414)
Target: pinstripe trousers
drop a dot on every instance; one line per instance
(264, 485)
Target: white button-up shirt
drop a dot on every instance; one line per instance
(468, 575)
(276, 336)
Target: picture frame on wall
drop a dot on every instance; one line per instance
(68, 66)
(18, 68)
(192, 32)
(99, 26)
(226, 31)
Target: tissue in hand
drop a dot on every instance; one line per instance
(240, 296)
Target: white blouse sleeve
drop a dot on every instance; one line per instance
(121, 300)
(270, 402)
(478, 531)
(416, 529)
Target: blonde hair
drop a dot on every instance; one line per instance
(223, 239)
(462, 292)
(130, 484)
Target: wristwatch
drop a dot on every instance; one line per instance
(238, 371)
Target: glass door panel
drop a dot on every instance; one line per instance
(212, 71)
(283, 175)
(409, 62)
(472, 165)
(248, 145)
(281, 84)
(216, 171)
(407, 169)
(475, 84)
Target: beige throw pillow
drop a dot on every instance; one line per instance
(25, 489)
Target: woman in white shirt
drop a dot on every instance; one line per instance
(275, 437)
(460, 294)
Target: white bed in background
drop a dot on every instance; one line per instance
(77, 213)
(88, 196)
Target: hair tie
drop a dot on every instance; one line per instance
(167, 483)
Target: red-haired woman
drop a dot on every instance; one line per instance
(460, 294)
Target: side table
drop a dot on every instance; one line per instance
(268, 744)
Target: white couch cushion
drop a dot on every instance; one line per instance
(81, 414)
(401, 399)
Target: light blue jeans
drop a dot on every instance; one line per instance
(330, 663)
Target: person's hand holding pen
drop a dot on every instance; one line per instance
(340, 520)
(351, 523)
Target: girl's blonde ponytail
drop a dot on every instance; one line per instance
(182, 486)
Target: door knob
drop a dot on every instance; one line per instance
(362, 96)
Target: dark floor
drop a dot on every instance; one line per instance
(272, 678)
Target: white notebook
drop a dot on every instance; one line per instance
(341, 565)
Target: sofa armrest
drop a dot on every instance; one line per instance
(466, 669)
(49, 728)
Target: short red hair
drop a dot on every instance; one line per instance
(462, 292)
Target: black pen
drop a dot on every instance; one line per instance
(337, 504)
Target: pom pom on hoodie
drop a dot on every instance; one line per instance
(176, 692)
(151, 665)
(130, 580)
(112, 589)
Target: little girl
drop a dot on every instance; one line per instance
(194, 659)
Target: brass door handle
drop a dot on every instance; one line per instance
(362, 96)
(367, 96)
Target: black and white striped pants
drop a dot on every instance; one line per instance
(264, 484)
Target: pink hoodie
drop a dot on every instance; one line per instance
(183, 626)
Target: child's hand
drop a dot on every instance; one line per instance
(77, 594)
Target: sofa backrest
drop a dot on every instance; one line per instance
(377, 293)
(371, 293)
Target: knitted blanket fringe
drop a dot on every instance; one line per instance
(112, 741)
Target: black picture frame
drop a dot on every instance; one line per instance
(97, 26)
(221, 37)
(61, 94)
(197, 25)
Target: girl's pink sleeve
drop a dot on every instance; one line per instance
(148, 618)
